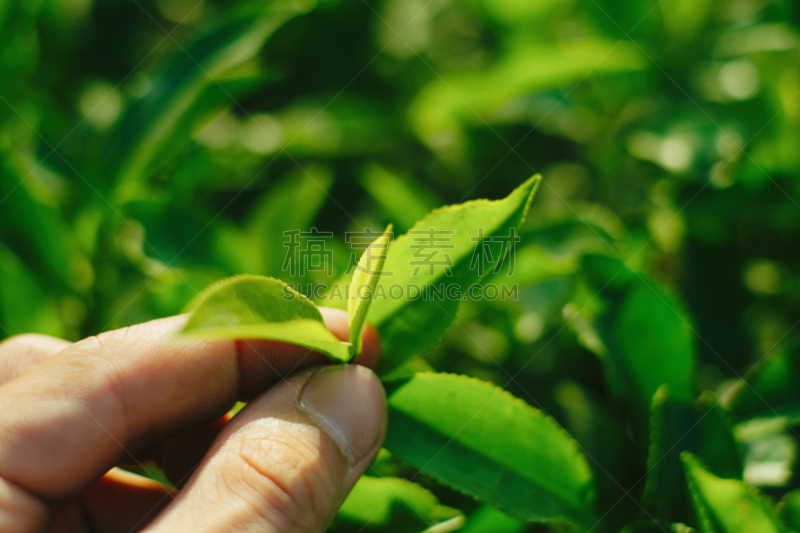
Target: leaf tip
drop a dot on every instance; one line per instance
(688, 460)
(531, 185)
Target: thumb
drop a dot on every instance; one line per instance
(289, 459)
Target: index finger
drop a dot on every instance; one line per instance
(72, 418)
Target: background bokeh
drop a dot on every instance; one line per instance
(148, 148)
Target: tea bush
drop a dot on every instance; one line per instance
(638, 375)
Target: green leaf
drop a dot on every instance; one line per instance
(152, 123)
(487, 519)
(646, 332)
(257, 307)
(151, 471)
(655, 343)
(789, 510)
(696, 427)
(726, 505)
(479, 439)
(405, 507)
(410, 326)
(365, 277)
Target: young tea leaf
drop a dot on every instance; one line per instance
(484, 442)
(362, 288)
(375, 504)
(257, 307)
(442, 256)
(726, 505)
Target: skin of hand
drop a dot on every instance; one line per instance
(70, 413)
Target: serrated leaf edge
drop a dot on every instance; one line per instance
(535, 180)
(575, 448)
(690, 461)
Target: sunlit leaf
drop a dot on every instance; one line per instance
(727, 505)
(362, 287)
(375, 504)
(484, 442)
(256, 307)
(487, 519)
(439, 254)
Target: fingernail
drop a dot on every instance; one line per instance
(348, 403)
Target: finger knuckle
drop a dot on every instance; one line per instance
(289, 473)
(23, 343)
(97, 365)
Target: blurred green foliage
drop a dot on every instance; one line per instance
(150, 147)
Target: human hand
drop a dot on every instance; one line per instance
(70, 412)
